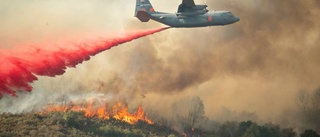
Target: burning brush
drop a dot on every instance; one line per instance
(118, 111)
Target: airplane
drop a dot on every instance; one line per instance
(189, 15)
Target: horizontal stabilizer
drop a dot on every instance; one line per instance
(143, 16)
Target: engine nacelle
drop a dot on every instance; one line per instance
(193, 13)
(196, 8)
(199, 7)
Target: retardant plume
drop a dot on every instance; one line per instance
(19, 69)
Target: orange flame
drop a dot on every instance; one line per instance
(117, 111)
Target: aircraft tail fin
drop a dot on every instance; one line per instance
(143, 10)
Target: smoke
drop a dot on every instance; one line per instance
(256, 65)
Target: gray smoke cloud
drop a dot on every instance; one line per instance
(256, 65)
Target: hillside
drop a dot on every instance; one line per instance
(73, 124)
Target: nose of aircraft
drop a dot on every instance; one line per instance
(236, 19)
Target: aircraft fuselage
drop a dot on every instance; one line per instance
(188, 15)
(211, 18)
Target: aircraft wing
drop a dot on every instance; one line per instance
(188, 3)
(189, 8)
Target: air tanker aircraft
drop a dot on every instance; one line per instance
(188, 15)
